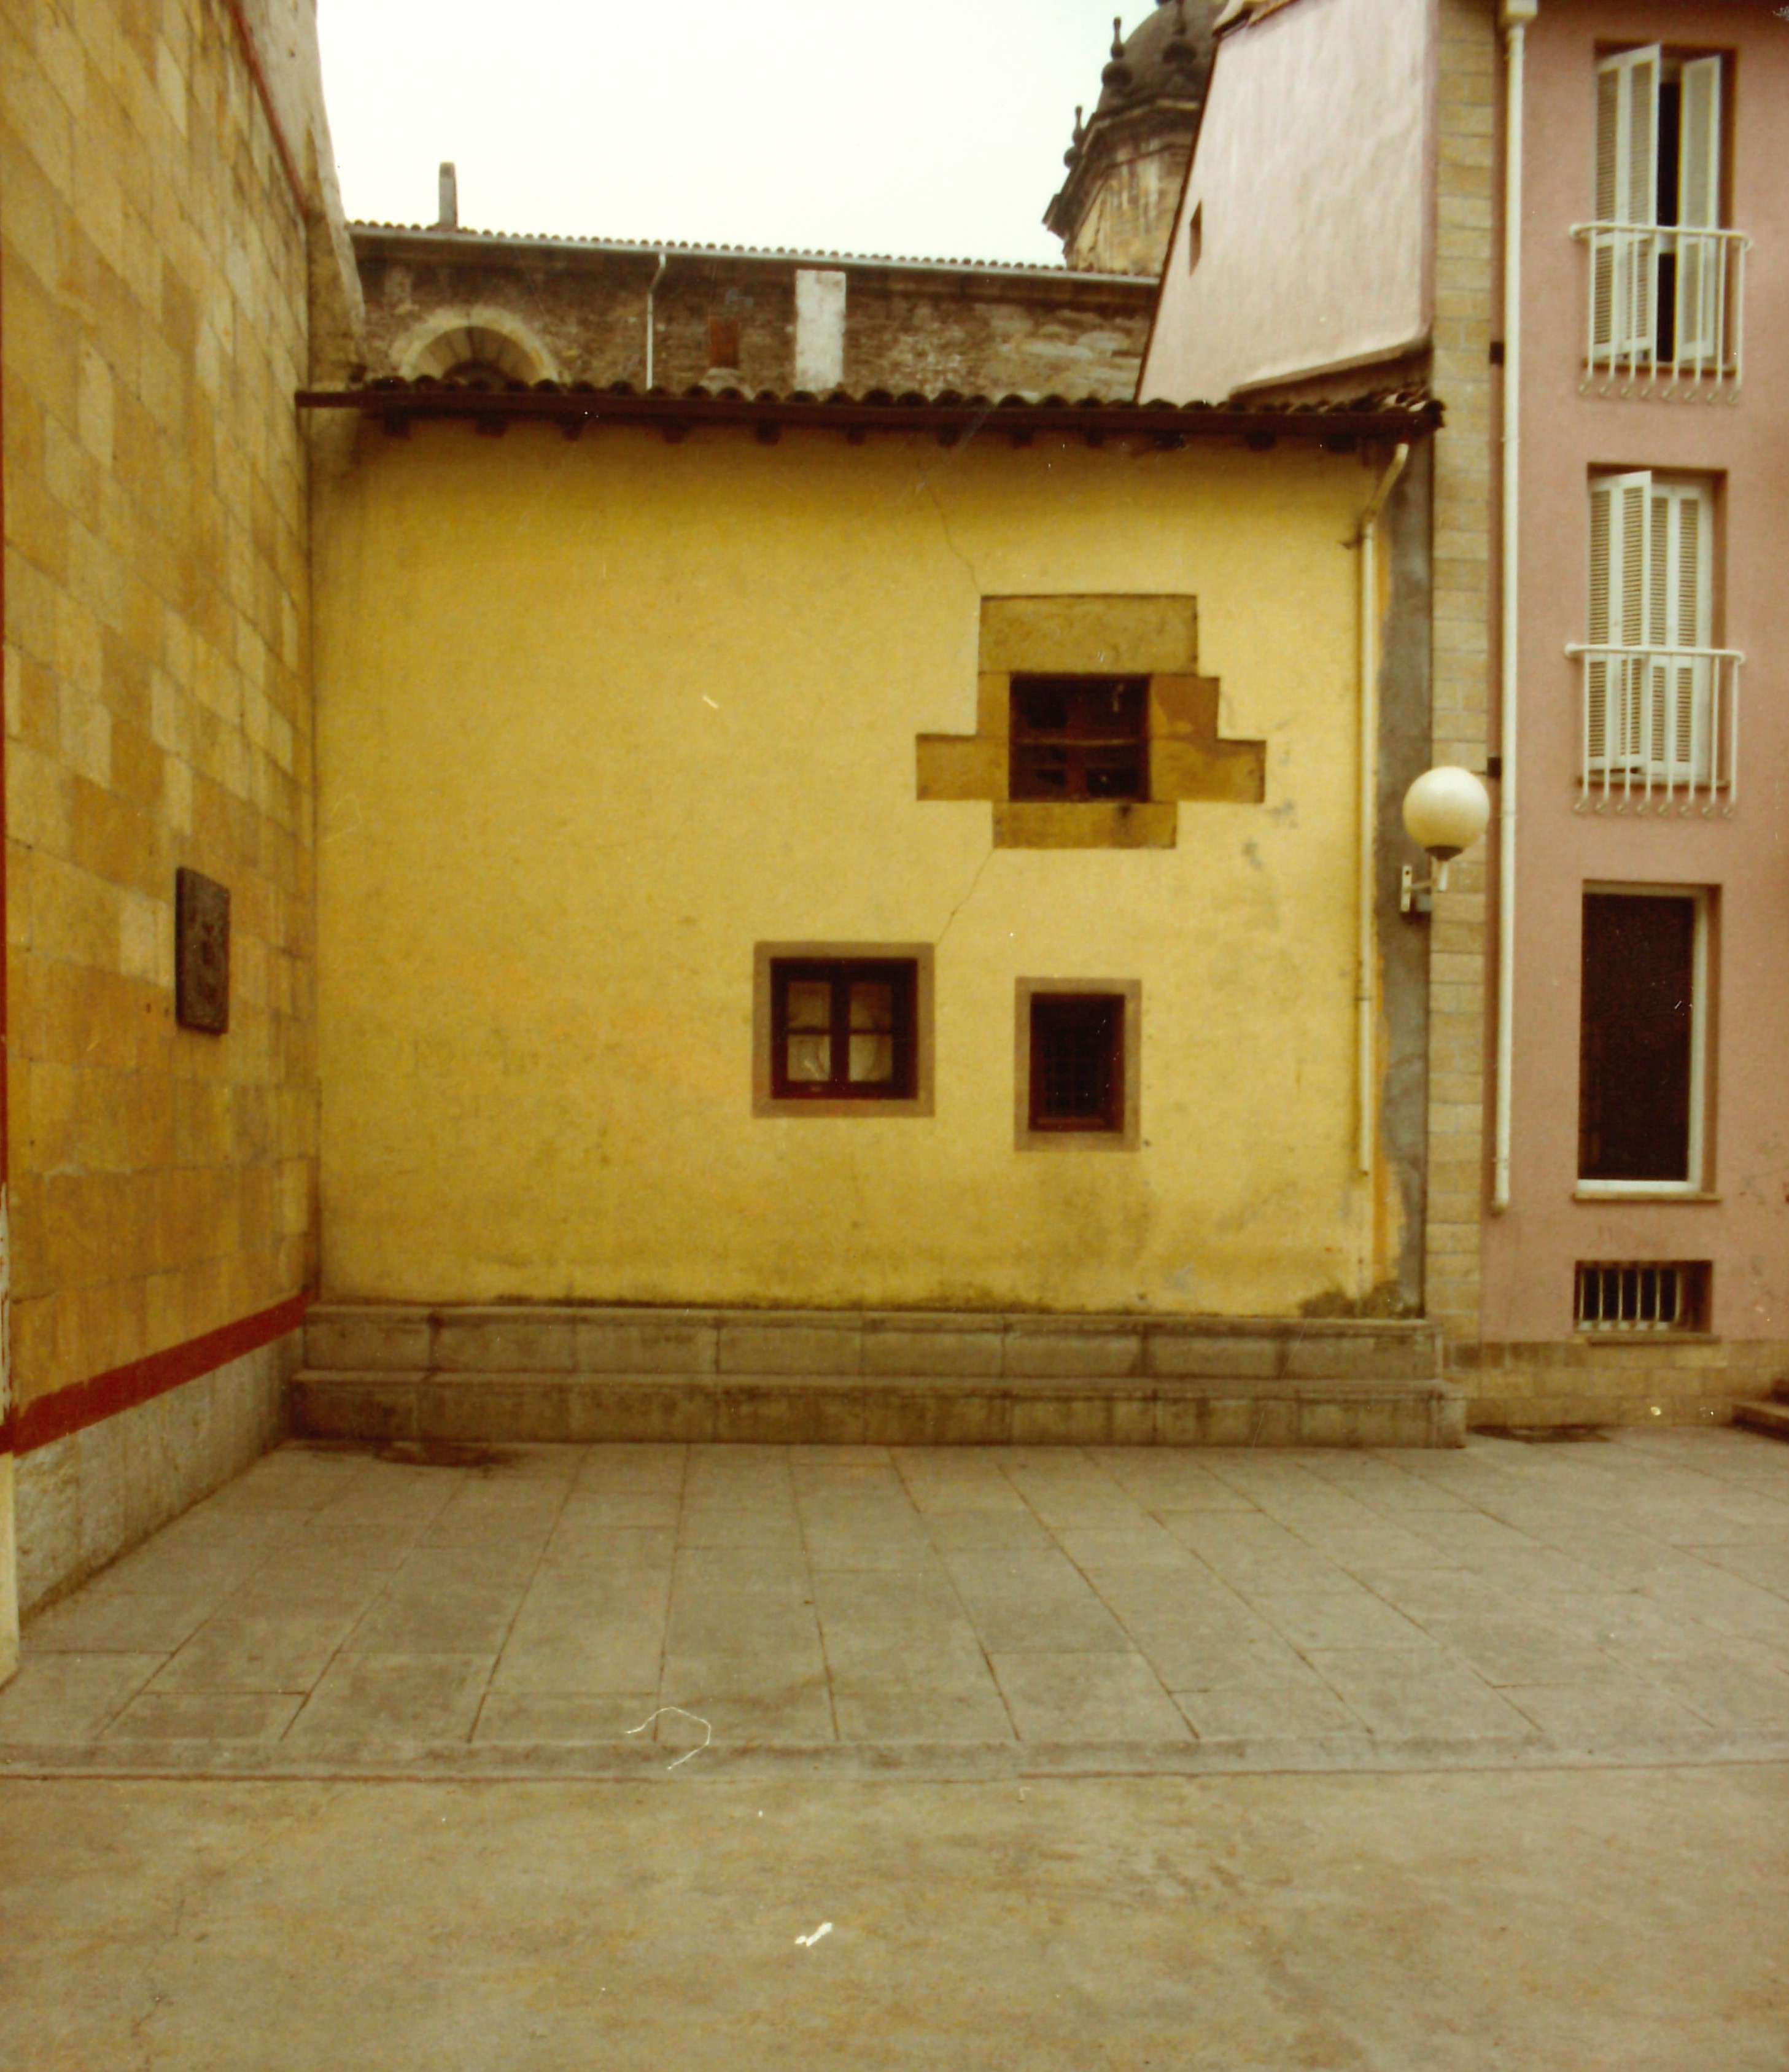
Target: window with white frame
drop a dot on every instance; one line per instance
(1664, 276)
(1642, 1039)
(1655, 708)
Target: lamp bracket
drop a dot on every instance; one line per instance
(1415, 895)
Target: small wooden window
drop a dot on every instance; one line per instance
(723, 343)
(843, 1031)
(1079, 737)
(1640, 1034)
(1077, 1084)
(1077, 1062)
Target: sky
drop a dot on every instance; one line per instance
(922, 128)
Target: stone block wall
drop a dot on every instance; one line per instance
(1463, 598)
(157, 259)
(84, 1500)
(578, 313)
(1591, 1380)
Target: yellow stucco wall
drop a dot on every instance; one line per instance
(595, 719)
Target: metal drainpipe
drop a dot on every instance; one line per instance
(652, 292)
(1515, 15)
(1369, 801)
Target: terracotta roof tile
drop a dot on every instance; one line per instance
(1400, 414)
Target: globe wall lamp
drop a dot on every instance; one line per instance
(1445, 811)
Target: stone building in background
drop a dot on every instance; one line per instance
(452, 303)
(446, 301)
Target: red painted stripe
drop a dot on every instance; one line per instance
(251, 50)
(86, 1403)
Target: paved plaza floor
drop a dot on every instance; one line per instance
(566, 1611)
(1012, 1761)
(1562, 1921)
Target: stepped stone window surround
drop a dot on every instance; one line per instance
(1152, 639)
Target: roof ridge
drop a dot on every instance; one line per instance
(1052, 271)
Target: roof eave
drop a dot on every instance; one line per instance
(949, 418)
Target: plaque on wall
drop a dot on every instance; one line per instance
(201, 952)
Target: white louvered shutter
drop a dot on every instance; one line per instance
(1699, 281)
(1615, 688)
(1602, 252)
(1679, 608)
(1627, 193)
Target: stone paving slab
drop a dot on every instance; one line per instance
(606, 1611)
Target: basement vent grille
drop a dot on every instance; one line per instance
(1667, 1296)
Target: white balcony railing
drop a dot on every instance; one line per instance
(1666, 311)
(1660, 728)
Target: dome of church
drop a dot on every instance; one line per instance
(1127, 161)
(1166, 57)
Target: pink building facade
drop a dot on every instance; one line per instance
(1609, 542)
(1653, 669)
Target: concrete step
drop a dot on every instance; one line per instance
(884, 1345)
(512, 1405)
(1772, 1416)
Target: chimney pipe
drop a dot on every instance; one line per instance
(448, 218)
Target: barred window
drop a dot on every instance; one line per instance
(1077, 1061)
(1079, 737)
(1655, 1296)
(1078, 1084)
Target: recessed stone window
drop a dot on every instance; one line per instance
(1092, 724)
(842, 1029)
(1077, 1064)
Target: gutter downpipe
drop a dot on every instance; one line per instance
(652, 292)
(1515, 15)
(1369, 805)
